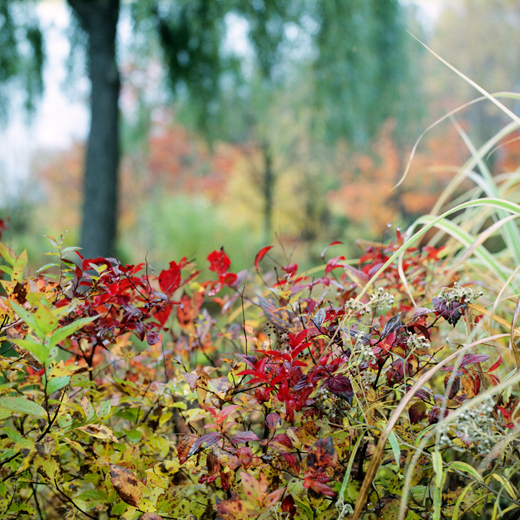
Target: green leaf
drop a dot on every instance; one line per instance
(395, 447)
(27, 317)
(39, 351)
(437, 466)
(45, 319)
(465, 468)
(66, 331)
(7, 254)
(56, 383)
(22, 405)
(7, 270)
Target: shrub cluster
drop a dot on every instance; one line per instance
(267, 394)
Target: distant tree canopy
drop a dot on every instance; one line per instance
(352, 52)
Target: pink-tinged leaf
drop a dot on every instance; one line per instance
(219, 261)
(248, 436)
(336, 242)
(334, 263)
(254, 490)
(260, 255)
(357, 276)
(282, 442)
(244, 456)
(226, 411)
(469, 359)
(273, 420)
(421, 311)
(207, 440)
(274, 497)
(496, 364)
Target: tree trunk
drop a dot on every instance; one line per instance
(268, 186)
(100, 186)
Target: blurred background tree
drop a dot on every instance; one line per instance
(240, 120)
(200, 72)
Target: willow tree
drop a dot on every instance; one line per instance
(355, 45)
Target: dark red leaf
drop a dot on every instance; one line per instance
(260, 255)
(417, 412)
(454, 387)
(208, 439)
(219, 261)
(273, 420)
(392, 325)
(451, 314)
(248, 436)
(342, 387)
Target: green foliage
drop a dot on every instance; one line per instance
(260, 393)
(21, 56)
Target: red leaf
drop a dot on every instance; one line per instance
(163, 314)
(219, 261)
(273, 420)
(469, 359)
(227, 279)
(333, 263)
(209, 439)
(417, 412)
(496, 364)
(342, 387)
(248, 436)
(331, 244)
(260, 255)
(170, 279)
(183, 448)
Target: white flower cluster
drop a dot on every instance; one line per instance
(364, 349)
(456, 293)
(378, 300)
(330, 405)
(381, 299)
(476, 427)
(417, 341)
(367, 378)
(356, 306)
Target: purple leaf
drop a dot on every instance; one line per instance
(209, 439)
(248, 436)
(341, 386)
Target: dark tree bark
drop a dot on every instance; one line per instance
(100, 186)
